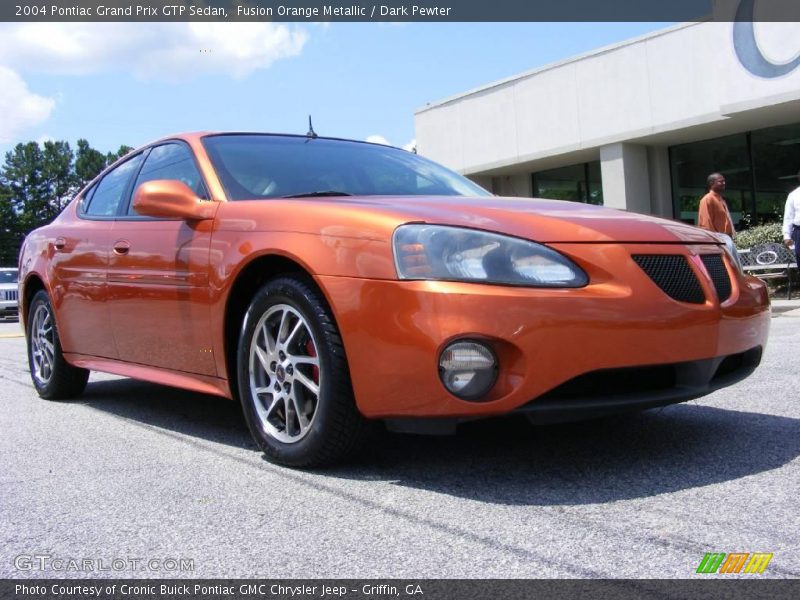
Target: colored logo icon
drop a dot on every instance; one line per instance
(736, 562)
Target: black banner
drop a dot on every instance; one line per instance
(397, 10)
(422, 589)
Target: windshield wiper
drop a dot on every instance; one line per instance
(318, 194)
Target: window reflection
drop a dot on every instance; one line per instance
(760, 168)
(691, 165)
(578, 183)
(776, 160)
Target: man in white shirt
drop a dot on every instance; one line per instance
(791, 221)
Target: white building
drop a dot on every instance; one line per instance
(638, 125)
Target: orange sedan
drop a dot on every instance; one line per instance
(328, 283)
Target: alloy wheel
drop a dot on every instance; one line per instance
(284, 374)
(42, 344)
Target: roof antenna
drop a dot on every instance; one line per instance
(311, 133)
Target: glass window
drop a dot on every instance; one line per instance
(595, 184)
(171, 161)
(760, 168)
(776, 160)
(8, 276)
(86, 198)
(579, 183)
(268, 166)
(691, 165)
(111, 189)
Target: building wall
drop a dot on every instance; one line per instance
(624, 104)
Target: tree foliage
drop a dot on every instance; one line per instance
(88, 163)
(9, 236)
(36, 183)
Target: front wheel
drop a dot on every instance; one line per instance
(53, 377)
(293, 377)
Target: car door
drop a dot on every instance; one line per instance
(79, 263)
(158, 278)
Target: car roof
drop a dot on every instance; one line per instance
(199, 135)
(195, 137)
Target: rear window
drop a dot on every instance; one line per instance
(267, 166)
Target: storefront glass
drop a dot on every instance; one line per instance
(691, 164)
(579, 183)
(776, 161)
(760, 168)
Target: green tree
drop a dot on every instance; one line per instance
(9, 229)
(59, 176)
(88, 163)
(41, 181)
(22, 174)
(8, 218)
(113, 156)
(37, 182)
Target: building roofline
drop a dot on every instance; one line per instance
(557, 64)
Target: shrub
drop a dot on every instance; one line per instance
(761, 234)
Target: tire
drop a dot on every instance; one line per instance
(53, 377)
(294, 382)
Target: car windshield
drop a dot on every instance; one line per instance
(252, 166)
(8, 276)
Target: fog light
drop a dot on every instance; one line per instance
(468, 369)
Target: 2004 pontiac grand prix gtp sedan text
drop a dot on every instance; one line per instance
(328, 283)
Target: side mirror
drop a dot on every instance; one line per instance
(171, 199)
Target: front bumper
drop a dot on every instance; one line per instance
(9, 309)
(394, 332)
(615, 391)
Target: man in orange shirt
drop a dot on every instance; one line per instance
(713, 214)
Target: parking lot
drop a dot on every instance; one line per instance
(135, 471)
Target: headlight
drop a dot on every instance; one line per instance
(456, 254)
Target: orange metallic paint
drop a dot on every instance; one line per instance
(171, 199)
(542, 337)
(158, 293)
(155, 309)
(74, 263)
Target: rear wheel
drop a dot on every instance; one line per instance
(293, 377)
(53, 377)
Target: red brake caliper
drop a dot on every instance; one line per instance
(312, 351)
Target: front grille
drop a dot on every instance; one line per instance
(613, 382)
(11, 295)
(650, 382)
(719, 275)
(672, 273)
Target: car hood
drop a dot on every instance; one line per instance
(530, 218)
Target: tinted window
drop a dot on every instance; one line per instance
(776, 158)
(579, 183)
(760, 169)
(691, 165)
(263, 166)
(171, 161)
(110, 190)
(86, 198)
(8, 276)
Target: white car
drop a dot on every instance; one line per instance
(8, 292)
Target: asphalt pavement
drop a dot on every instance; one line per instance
(143, 477)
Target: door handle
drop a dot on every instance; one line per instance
(59, 243)
(121, 247)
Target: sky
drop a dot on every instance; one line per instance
(130, 83)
